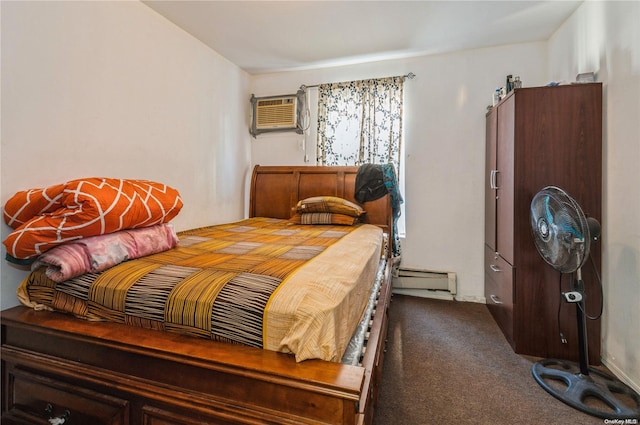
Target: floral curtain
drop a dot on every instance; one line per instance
(360, 122)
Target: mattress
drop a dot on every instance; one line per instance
(262, 282)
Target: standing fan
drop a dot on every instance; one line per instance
(563, 236)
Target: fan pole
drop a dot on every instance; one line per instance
(557, 238)
(579, 384)
(583, 349)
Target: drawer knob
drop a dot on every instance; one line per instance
(59, 420)
(495, 268)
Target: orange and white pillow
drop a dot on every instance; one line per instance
(47, 217)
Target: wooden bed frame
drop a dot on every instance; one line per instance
(56, 366)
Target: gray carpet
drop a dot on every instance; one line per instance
(448, 363)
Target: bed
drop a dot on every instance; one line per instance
(59, 369)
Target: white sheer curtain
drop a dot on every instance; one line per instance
(360, 122)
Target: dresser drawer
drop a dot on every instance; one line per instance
(36, 399)
(498, 287)
(155, 416)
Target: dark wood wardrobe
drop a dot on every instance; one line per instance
(538, 137)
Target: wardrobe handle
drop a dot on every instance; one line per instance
(493, 179)
(495, 268)
(495, 299)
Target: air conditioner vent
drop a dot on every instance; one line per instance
(277, 113)
(275, 102)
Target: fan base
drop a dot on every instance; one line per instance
(580, 387)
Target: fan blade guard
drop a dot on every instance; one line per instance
(560, 229)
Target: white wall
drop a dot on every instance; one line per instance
(445, 108)
(113, 89)
(605, 37)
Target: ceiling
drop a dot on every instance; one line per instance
(271, 36)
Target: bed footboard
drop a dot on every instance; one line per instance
(106, 373)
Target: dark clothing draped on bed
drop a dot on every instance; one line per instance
(373, 181)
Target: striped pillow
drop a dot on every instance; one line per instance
(324, 218)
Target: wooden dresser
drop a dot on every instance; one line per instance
(537, 137)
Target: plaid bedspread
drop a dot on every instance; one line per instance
(260, 282)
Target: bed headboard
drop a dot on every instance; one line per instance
(275, 191)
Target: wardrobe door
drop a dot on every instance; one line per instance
(505, 176)
(490, 189)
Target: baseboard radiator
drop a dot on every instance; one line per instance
(407, 278)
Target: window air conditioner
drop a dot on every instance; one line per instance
(277, 113)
